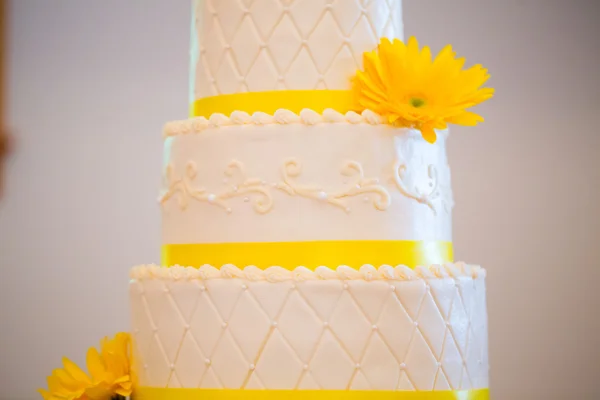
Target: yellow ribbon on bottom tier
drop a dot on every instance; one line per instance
(150, 393)
(289, 255)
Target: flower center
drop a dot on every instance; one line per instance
(416, 102)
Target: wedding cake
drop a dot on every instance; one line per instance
(306, 215)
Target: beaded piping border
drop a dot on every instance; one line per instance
(278, 274)
(281, 117)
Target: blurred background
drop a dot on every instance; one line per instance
(89, 85)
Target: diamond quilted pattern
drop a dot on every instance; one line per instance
(246, 38)
(404, 383)
(444, 293)
(421, 364)
(459, 324)
(452, 362)
(270, 297)
(370, 296)
(210, 380)
(254, 383)
(441, 383)
(379, 365)
(432, 324)
(300, 326)
(308, 383)
(346, 17)
(233, 333)
(299, 42)
(206, 325)
(187, 360)
(324, 42)
(331, 356)
(229, 363)
(396, 326)
(248, 313)
(270, 12)
(263, 74)
(285, 41)
(158, 365)
(279, 367)
(350, 325)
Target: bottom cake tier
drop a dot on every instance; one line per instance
(384, 329)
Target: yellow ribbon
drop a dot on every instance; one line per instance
(150, 393)
(311, 255)
(269, 102)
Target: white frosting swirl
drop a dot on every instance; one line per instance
(277, 274)
(240, 118)
(353, 117)
(283, 116)
(208, 272)
(310, 117)
(330, 115)
(199, 124)
(261, 118)
(372, 118)
(218, 119)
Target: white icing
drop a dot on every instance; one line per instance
(310, 117)
(372, 118)
(240, 46)
(240, 118)
(434, 329)
(330, 115)
(353, 117)
(281, 116)
(261, 118)
(348, 181)
(184, 189)
(218, 119)
(277, 274)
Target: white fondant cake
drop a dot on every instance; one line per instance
(262, 45)
(237, 181)
(275, 180)
(386, 329)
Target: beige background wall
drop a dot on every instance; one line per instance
(92, 82)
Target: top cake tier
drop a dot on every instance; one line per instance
(243, 46)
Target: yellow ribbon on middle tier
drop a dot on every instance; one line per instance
(271, 101)
(330, 253)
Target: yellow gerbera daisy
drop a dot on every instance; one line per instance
(408, 88)
(109, 374)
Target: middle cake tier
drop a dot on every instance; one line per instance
(330, 188)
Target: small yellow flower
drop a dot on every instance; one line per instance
(408, 88)
(109, 374)
(69, 383)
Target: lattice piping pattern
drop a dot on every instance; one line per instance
(260, 45)
(378, 335)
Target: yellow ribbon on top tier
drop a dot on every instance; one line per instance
(330, 253)
(271, 101)
(150, 393)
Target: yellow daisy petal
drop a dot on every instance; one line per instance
(428, 133)
(95, 365)
(466, 118)
(72, 369)
(46, 395)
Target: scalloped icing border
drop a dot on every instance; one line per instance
(278, 274)
(281, 117)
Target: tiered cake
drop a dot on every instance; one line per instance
(315, 234)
